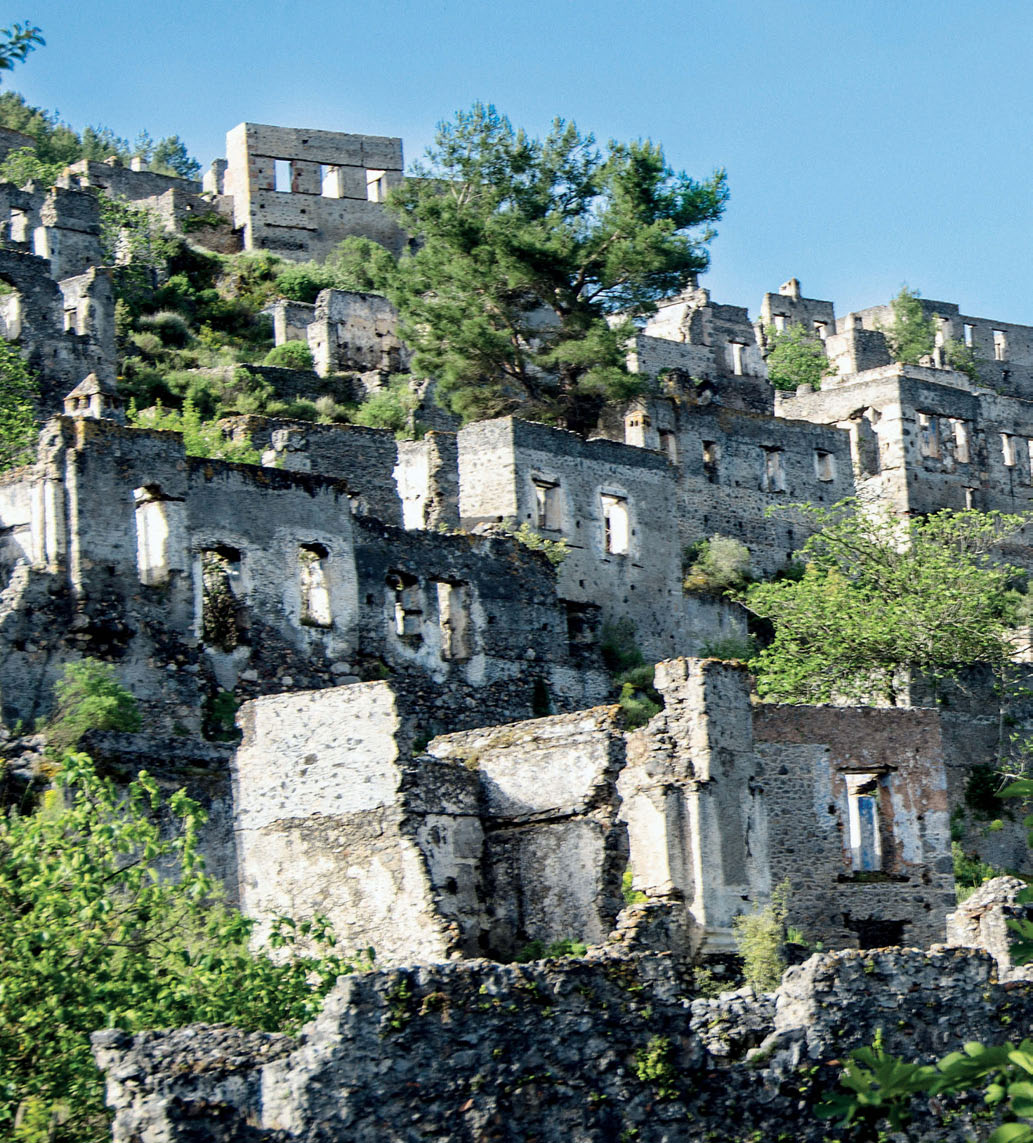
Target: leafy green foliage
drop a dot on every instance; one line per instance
(654, 1065)
(879, 1086)
(290, 355)
(631, 895)
(16, 42)
(18, 390)
(556, 551)
(92, 936)
(970, 872)
(632, 675)
(25, 166)
(90, 697)
(957, 355)
(200, 437)
(525, 247)
(741, 648)
(795, 356)
(910, 335)
(717, 566)
(759, 937)
(880, 596)
(539, 950)
(356, 264)
(392, 407)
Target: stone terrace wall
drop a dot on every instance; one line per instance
(554, 1051)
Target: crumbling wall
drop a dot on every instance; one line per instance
(354, 331)
(884, 880)
(554, 848)
(557, 1050)
(427, 477)
(330, 185)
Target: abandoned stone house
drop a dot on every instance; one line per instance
(423, 726)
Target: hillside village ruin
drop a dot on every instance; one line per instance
(428, 757)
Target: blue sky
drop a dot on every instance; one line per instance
(868, 143)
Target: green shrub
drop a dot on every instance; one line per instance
(910, 335)
(90, 697)
(109, 920)
(957, 355)
(653, 1065)
(200, 437)
(795, 357)
(391, 408)
(970, 871)
(290, 355)
(18, 392)
(539, 950)
(556, 551)
(739, 648)
(172, 327)
(303, 281)
(759, 937)
(717, 566)
(631, 895)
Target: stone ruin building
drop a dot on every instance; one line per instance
(428, 756)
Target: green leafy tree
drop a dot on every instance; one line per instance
(90, 697)
(910, 335)
(392, 407)
(18, 391)
(24, 166)
(16, 42)
(362, 266)
(290, 355)
(526, 247)
(93, 936)
(957, 355)
(171, 157)
(881, 596)
(795, 357)
(718, 565)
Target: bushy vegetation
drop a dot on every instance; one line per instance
(717, 566)
(759, 937)
(556, 551)
(910, 335)
(880, 598)
(392, 407)
(795, 356)
(89, 697)
(200, 437)
(93, 936)
(632, 676)
(290, 355)
(18, 392)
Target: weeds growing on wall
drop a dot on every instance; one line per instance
(89, 697)
(759, 937)
(632, 676)
(18, 391)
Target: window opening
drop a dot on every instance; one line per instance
(824, 465)
(863, 820)
(407, 603)
(223, 620)
(710, 460)
(736, 348)
(970, 497)
(774, 478)
(282, 174)
(928, 437)
(330, 181)
(669, 445)
(454, 619)
(152, 535)
(615, 524)
(821, 328)
(1008, 449)
(314, 586)
(1000, 345)
(970, 331)
(19, 228)
(376, 186)
(780, 323)
(961, 449)
(547, 505)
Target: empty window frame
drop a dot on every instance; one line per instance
(19, 226)
(863, 824)
(1000, 345)
(548, 514)
(710, 460)
(223, 618)
(780, 322)
(735, 348)
(1008, 449)
(824, 465)
(773, 478)
(962, 453)
(928, 435)
(669, 444)
(407, 605)
(616, 532)
(152, 535)
(376, 186)
(330, 181)
(1029, 458)
(454, 619)
(969, 334)
(314, 586)
(821, 328)
(282, 175)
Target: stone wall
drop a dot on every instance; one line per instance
(352, 331)
(330, 185)
(841, 893)
(557, 1050)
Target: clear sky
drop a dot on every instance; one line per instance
(868, 143)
